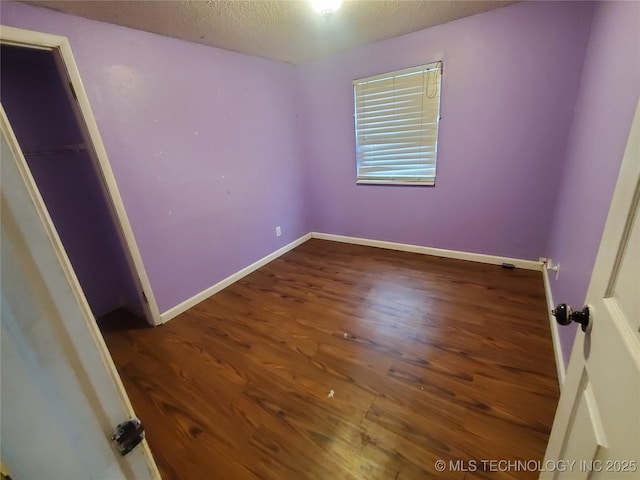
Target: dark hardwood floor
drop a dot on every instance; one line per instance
(427, 359)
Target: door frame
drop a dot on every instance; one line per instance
(61, 49)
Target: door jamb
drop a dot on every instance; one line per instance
(61, 48)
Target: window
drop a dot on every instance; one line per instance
(396, 116)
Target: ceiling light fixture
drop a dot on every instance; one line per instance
(326, 7)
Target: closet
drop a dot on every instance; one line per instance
(36, 102)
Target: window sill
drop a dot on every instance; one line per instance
(429, 183)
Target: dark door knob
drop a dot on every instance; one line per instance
(565, 315)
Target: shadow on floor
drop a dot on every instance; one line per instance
(121, 320)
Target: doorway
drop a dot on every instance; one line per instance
(43, 108)
(54, 351)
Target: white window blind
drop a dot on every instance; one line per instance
(396, 116)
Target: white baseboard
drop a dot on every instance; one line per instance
(438, 252)
(190, 302)
(473, 257)
(555, 335)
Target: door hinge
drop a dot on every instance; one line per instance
(73, 91)
(128, 435)
(144, 297)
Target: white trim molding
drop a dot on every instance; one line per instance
(473, 257)
(224, 283)
(437, 252)
(555, 334)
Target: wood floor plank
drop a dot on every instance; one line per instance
(346, 362)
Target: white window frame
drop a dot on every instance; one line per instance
(423, 153)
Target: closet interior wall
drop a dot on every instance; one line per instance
(42, 117)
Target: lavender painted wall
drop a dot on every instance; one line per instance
(509, 87)
(211, 150)
(41, 116)
(202, 144)
(604, 110)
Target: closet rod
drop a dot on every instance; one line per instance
(73, 147)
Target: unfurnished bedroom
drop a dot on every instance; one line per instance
(320, 239)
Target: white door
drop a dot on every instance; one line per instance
(61, 396)
(597, 423)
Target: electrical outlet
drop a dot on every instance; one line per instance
(278, 231)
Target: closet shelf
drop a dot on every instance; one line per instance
(73, 147)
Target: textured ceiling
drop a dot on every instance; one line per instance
(286, 30)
